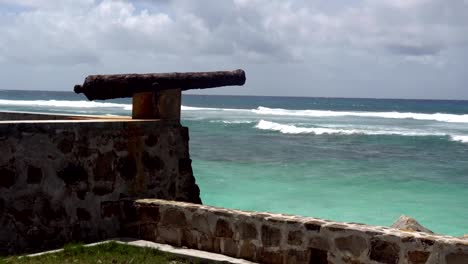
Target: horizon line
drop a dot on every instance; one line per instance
(284, 96)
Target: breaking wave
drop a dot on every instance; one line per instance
(463, 139)
(232, 122)
(292, 129)
(452, 118)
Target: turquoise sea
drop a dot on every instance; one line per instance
(354, 160)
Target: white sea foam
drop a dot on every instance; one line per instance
(463, 139)
(232, 122)
(64, 104)
(452, 118)
(193, 108)
(292, 129)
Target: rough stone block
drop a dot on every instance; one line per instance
(148, 231)
(271, 257)
(418, 257)
(355, 245)
(200, 223)
(128, 211)
(248, 250)
(297, 257)
(168, 235)
(223, 229)
(190, 238)
(83, 214)
(318, 242)
(231, 247)
(295, 238)
(248, 231)
(110, 209)
(127, 168)
(104, 168)
(73, 174)
(34, 175)
(271, 236)
(313, 226)
(384, 251)
(318, 256)
(173, 217)
(148, 213)
(456, 258)
(7, 177)
(206, 243)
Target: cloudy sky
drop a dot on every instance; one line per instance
(332, 48)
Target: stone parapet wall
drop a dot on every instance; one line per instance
(276, 238)
(61, 180)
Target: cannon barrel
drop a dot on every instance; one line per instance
(101, 87)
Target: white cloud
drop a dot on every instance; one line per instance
(81, 36)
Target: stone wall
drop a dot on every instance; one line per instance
(274, 238)
(61, 180)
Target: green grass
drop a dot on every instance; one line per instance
(112, 252)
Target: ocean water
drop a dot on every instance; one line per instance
(354, 160)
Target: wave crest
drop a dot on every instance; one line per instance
(292, 129)
(451, 118)
(463, 139)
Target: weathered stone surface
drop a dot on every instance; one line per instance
(231, 247)
(152, 140)
(189, 238)
(206, 243)
(418, 257)
(128, 212)
(297, 256)
(295, 238)
(148, 231)
(248, 231)
(104, 167)
(149, 214)
(456, 258)
(127, 167)
(65, 145)
(34, 175)
(318, 256)
(353, 244)
(110, 209)
(152, 162)
(73, 174)
(7, 177)
(83, 214)
(174, 218)
(409, 224)
(384, 251)
(248, 250)
(336, 227)
(318, 242)
(223, 229)
(271, 236)
(185, 166)
(270, 256)
(313, 225)
(200, 223)
(168, 235)
(103, 188)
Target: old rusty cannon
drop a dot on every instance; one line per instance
(155, 95)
